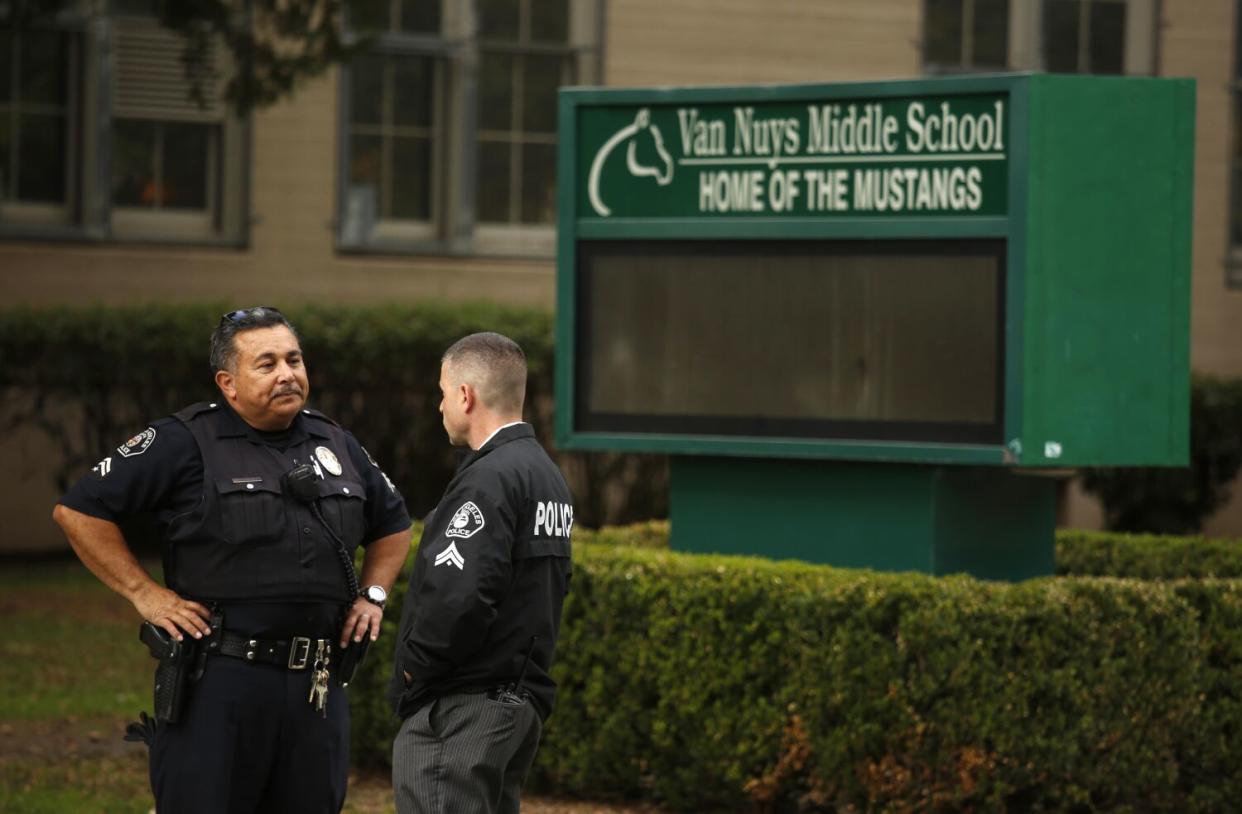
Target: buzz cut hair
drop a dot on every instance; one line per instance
(494, 365)
(224, 348)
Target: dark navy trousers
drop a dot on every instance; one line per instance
(249, 740)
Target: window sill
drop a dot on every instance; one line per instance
(438, 248)
(83, 236)
(523, 241)
(163, 226)
(491, 242)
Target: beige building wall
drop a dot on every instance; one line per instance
(714, 42)
(1198, 41)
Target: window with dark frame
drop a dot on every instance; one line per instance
(392, 134)
(1084, 36)
(395, 115)
(35, 103)
(524, 56)
(174, 170)
(966, 35)
(449, 123)
(164, 164)
(1058, 36)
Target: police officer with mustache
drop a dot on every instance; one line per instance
(260, 504)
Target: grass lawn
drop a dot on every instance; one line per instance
(73, 673)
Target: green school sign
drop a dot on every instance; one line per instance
(875, 157)
(862, 318)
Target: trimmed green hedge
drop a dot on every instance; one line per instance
(1146, 556)
(650, 534)
(90, 377)
(1078, 553)
(725, 683)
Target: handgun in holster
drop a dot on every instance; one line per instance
(172, 674)
(351, 658)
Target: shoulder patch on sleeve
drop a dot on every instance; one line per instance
(466, 522)
(137, 445)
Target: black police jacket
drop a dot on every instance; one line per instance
(490, 576)
(250, 539)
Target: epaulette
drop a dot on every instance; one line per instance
(195, 410)
(316, 414)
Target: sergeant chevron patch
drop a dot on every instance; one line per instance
(451, 556)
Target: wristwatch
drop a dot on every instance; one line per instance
(375, 595)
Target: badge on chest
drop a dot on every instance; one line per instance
(328, 460)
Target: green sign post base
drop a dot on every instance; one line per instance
(986, 522)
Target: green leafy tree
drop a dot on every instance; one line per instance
(276, 44)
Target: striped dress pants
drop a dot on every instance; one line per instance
(464, 754)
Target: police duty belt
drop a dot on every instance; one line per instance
(296, 653)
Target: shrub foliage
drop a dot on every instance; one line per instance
(92, 377)
(1078, 553)
(1146, 556)
(725, 683)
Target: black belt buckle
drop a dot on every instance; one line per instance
(299, 653)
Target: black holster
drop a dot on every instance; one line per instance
(172, 673)
(351, 658)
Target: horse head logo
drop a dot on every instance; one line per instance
(655, 161)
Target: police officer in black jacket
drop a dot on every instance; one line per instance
(478, 630)
(259, 578)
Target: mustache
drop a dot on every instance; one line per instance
(287, 390)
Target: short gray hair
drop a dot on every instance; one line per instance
(224, 349)
(495, 366)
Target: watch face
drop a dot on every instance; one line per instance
(376, 594)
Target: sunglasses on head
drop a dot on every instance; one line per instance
(242, 313)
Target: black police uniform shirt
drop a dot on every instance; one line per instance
(210, 485)
(489, 579)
